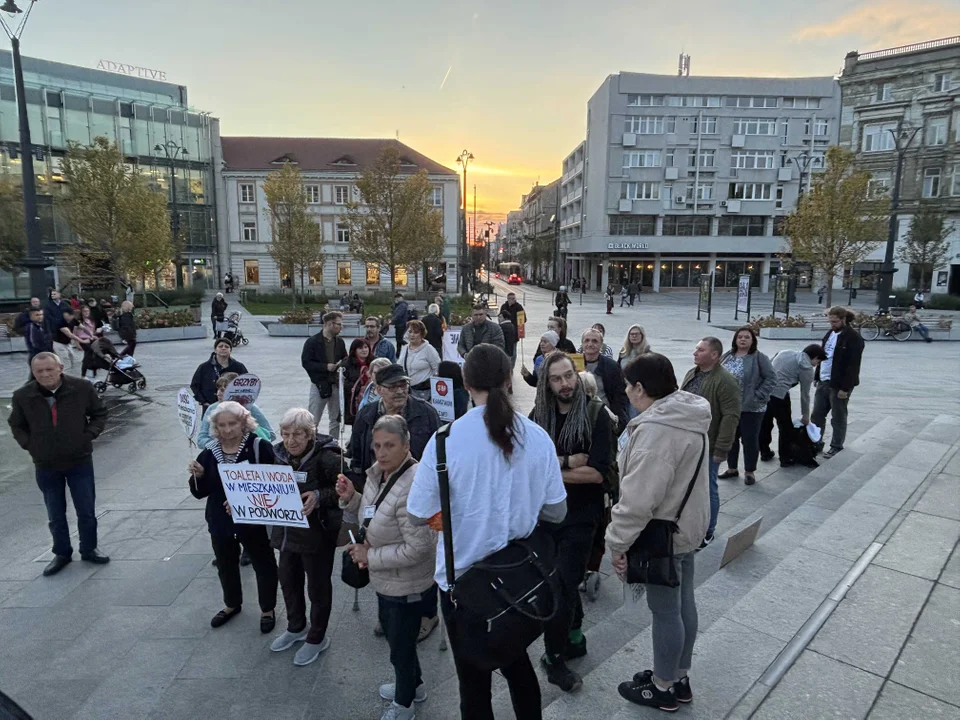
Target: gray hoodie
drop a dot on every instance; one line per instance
(657, 462)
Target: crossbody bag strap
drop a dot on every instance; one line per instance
(444, 477)
(693, 481)
(385, 490)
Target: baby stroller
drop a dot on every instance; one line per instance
(122, 372)
(231, 330)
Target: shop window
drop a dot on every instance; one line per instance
(373, 274)
(251, 272)
(316, 273)
(344, 272)
(400, 277)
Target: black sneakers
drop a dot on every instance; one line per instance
(575, 650)
(643, 691)
(560, 675)
(681, 687)
(706, 541)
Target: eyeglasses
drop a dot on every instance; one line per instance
(396, 389)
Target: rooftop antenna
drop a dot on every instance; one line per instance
(683, 66)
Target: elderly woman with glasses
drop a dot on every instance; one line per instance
(235, 441)
(308, 552)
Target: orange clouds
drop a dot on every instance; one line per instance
(888, 23)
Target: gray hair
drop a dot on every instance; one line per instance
(299, 419)
(229, 407)
(434, 309)
(395, 425)
(589, 331)
(378, 364)
(47, 356)
(714, 344)
(589, 383)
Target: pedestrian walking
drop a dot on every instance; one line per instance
(709, 380)
(204, 383)
(821, 291)
(756, 377)
(380, 347)
(419, 360)
(512, 309)
(401, 314)
(504, 478)
(434, 325)
(218, 312)
(308, 553)
(22, 319)
(634, 291)
(37, 336)
(480, 329)
(910, 317)
(624, 294)
(562, 301)
(127, 327)
(322, 354)
(205, 435)
(663, 481)
(608, 296)
(86, 333)
(837, 376)
(56, 418)
(793, 368)
(64, 338)
(400, 556)
(53, 312)
(233, 429)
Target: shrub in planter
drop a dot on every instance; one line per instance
(300, 316)
(771, 321)
(148, 319)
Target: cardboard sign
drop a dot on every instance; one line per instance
(578, 361)
(521, 324)
(244, 389)
(441, 397)
(736, 544)
(263, 495)
(451, 338)
(188, 411)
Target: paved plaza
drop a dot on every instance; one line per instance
(868, 541)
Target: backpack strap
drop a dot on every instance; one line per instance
(444, 478)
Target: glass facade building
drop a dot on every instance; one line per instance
(65, 104)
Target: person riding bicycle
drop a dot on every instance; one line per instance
(562, 300)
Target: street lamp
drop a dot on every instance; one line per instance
(489, 224)
(173, 151)
(34, 262)
(464, 159)
(902, 137)
(803, 162)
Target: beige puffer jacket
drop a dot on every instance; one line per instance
(402, 555)
(656, 465)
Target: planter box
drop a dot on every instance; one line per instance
(149, 335)
(801, 333)
(278, 329)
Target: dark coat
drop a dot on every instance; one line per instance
(614, 387)
(314, 361)
(322, 465)
(218, 308)
(81, 417)
(38, 338)
(126, 327)
(53, 314)
(511, 312)
(434, 326)
(219, 523)
(353, 372)
(204, 383)
(421, 418)
(845, 372)
(509, 337)
(401, 311)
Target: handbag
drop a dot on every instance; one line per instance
(650, 558)
(351, 573)
(500, 604)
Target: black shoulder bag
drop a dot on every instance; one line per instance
(501, 603)
(650, 558)
(351, 573)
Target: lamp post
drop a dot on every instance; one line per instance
(464, 159)
(172, 152)
(902, 137)
(489, 224)
(34, 262)
(803, 162)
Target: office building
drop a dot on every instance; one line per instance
(539, 227)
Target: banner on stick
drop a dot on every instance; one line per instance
(451, 338)
(244, 389)
(521, 324)
(188, 412)
(441, 396)
(263, 495)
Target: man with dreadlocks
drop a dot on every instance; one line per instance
(584, 454)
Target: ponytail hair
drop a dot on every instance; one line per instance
(487, 368)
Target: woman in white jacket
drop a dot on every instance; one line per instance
(419, 359)
(400, 557)
(661, 456)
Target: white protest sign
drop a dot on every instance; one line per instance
(451, 338)
(188, 412)
(441, 396)
(263, 495)
(244, 389)
(743, 294)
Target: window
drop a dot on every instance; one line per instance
(937, 131)
(316, 273)
(633, 224)
(640, 190)
(707, 127)
(750, 102)
(344, 272)
(670, 158)
(400, 277)
(641, 158)
(753, 159)
(779, 196)
(341, 194)
(708, 159)
(670, 124)
(749, 191)
(779, 224)
(931, 183)
(820, 128)
(436, 197)
(693, 101)
(251, 272)
(741, 225)
(878, 187)
(248, 231)
(686, 225)
(247, 194)
(941, 82)
(754, 126)
(705, 191)
(373, 274)
(800, 103)
(343, 233)
(884, 92)
(955, 191)
(644, 100)
(878, 138)
(313, 194)
(644, 125)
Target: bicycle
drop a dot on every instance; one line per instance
(899, 331)
(870, 328)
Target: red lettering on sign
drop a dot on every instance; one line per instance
(441, 388)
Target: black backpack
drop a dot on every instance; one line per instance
(611, 483)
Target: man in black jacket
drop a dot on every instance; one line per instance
(56, 419)
(511, 308)
(837, 376)
(611, 389)
(23, 318)
(509, 330)
(321, 356)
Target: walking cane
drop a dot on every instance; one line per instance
(340, 372)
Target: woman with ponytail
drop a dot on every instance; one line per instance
(504, 478)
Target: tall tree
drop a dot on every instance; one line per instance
(926, 243)
(836, 224)
(297, 237)
(392, 223)
(12, 234)
(121, 223)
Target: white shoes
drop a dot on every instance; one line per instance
(287, 640)
(398, 712)
(310, 652)
(389, 692)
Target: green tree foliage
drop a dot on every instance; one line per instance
(13, 242)
(926, 244)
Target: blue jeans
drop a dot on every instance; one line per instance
(922, 329)
(714, 497)
(53, 484)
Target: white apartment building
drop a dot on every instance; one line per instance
(683, 176)
(330, 167)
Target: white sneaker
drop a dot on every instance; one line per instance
(309, 652)
(398, 712)
(287, 640)
(389, 692)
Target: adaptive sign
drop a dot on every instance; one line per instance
(244, 389)
(187, 412)
(131, 70)
(451, 338)
(263, 495)
(441, 397)
(628, 246)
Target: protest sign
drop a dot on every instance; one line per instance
(578, 361)
(263, 495)
(451, 338)
(188, 412)
(521, 325)
(244, 389)
(441, 396)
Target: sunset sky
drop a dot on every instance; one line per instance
(507, 80)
